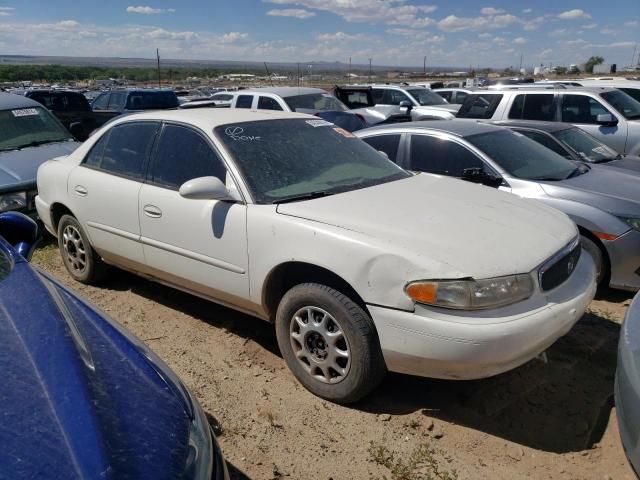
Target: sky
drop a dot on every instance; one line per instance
(391, 32)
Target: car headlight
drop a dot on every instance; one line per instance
(632, 222)
(13, 201)
(471, 294)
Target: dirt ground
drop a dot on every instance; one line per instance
(553, 420)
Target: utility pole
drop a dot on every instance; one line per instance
(298, 74)
(424, 66)
(520, 69)
(369, 70)
(158, 57)
(633, 57)
(349, 73)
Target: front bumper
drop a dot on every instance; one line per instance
(627, 386)
(440, 343)
(624, 255)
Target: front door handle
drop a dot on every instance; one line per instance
(152, 211)
(80, 190)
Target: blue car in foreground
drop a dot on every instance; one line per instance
(627, 391)
(81, 397)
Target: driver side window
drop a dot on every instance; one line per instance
(581, 109)
(441, 156)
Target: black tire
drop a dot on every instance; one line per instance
(79, 257)
(365, 368)
(598, 257)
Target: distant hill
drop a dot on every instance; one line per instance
(230, 65)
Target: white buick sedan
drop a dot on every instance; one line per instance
(362, 266)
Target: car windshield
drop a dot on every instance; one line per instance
(25, 127)
(287, 159)
(314, 101)
(151, 100)
(426, 97)
(623, 103)
(522, 157)
(589, 149)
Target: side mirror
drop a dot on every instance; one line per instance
(606, 119)
(20, 231)
(207, 188)
(478, 175)
(77, 130)
(406, 104)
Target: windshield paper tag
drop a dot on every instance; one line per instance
(24, 112)
(319, 123)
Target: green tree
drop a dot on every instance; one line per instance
(592, 62)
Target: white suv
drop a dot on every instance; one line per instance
(608, 114)
(362, 266)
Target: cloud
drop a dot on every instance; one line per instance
(67, 24)
(527, 10)
(452, 23)
(232, 37)
(632, 23)
(609, 31)
(390, 12)
(491, 11)
(589, 26)
(520, 41)
(291, 12)
(574, 14)
(146, 10)
(484, 35)
(6, 11)
(544, 53)
(622, 45)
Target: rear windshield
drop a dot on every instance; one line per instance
(623, 103)
(24, 127)
(522, 157)
(282, 159)
(426, 97)
(479, 105)
(314, 101)
(152, 100)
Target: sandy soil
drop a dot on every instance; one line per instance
(551, 420)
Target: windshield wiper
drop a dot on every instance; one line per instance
(35, 143)
(303, 196)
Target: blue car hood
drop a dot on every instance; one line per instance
(19, 167)
(79, 400)
(609, 189)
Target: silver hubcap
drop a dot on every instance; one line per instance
(320, 345)
(74, 250)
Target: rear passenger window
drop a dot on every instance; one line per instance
(116, 102)
(94, 157)
(183, 154)
(377, 95)
(244, 101)
(444, 157)
(385, 143)
(480, 106)
(101, 102)
(545, 140)
(267, 103)
(533, 107)
(445, 95)
(581, 109)
(461, 97)
(128, 148)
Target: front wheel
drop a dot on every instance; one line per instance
(329, 342)
(598, 258)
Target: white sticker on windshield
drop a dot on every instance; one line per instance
(319, 123)
(24, 112)
(238, 134)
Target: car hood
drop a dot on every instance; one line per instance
(19, 167)
(79, 400)
(629, 163)
(446, 226)
(610, 189)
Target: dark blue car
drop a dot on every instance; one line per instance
(81, 397)
(29, 136)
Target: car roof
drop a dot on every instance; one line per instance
(549, 127)
(458, 127)
(568, 89)
(282, 91)
(10, 101)
(209, 118)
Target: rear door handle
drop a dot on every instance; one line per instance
(80, 190)
(152, 211)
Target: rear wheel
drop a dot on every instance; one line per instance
(329, 342)
(78, 256)
(598, 257)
